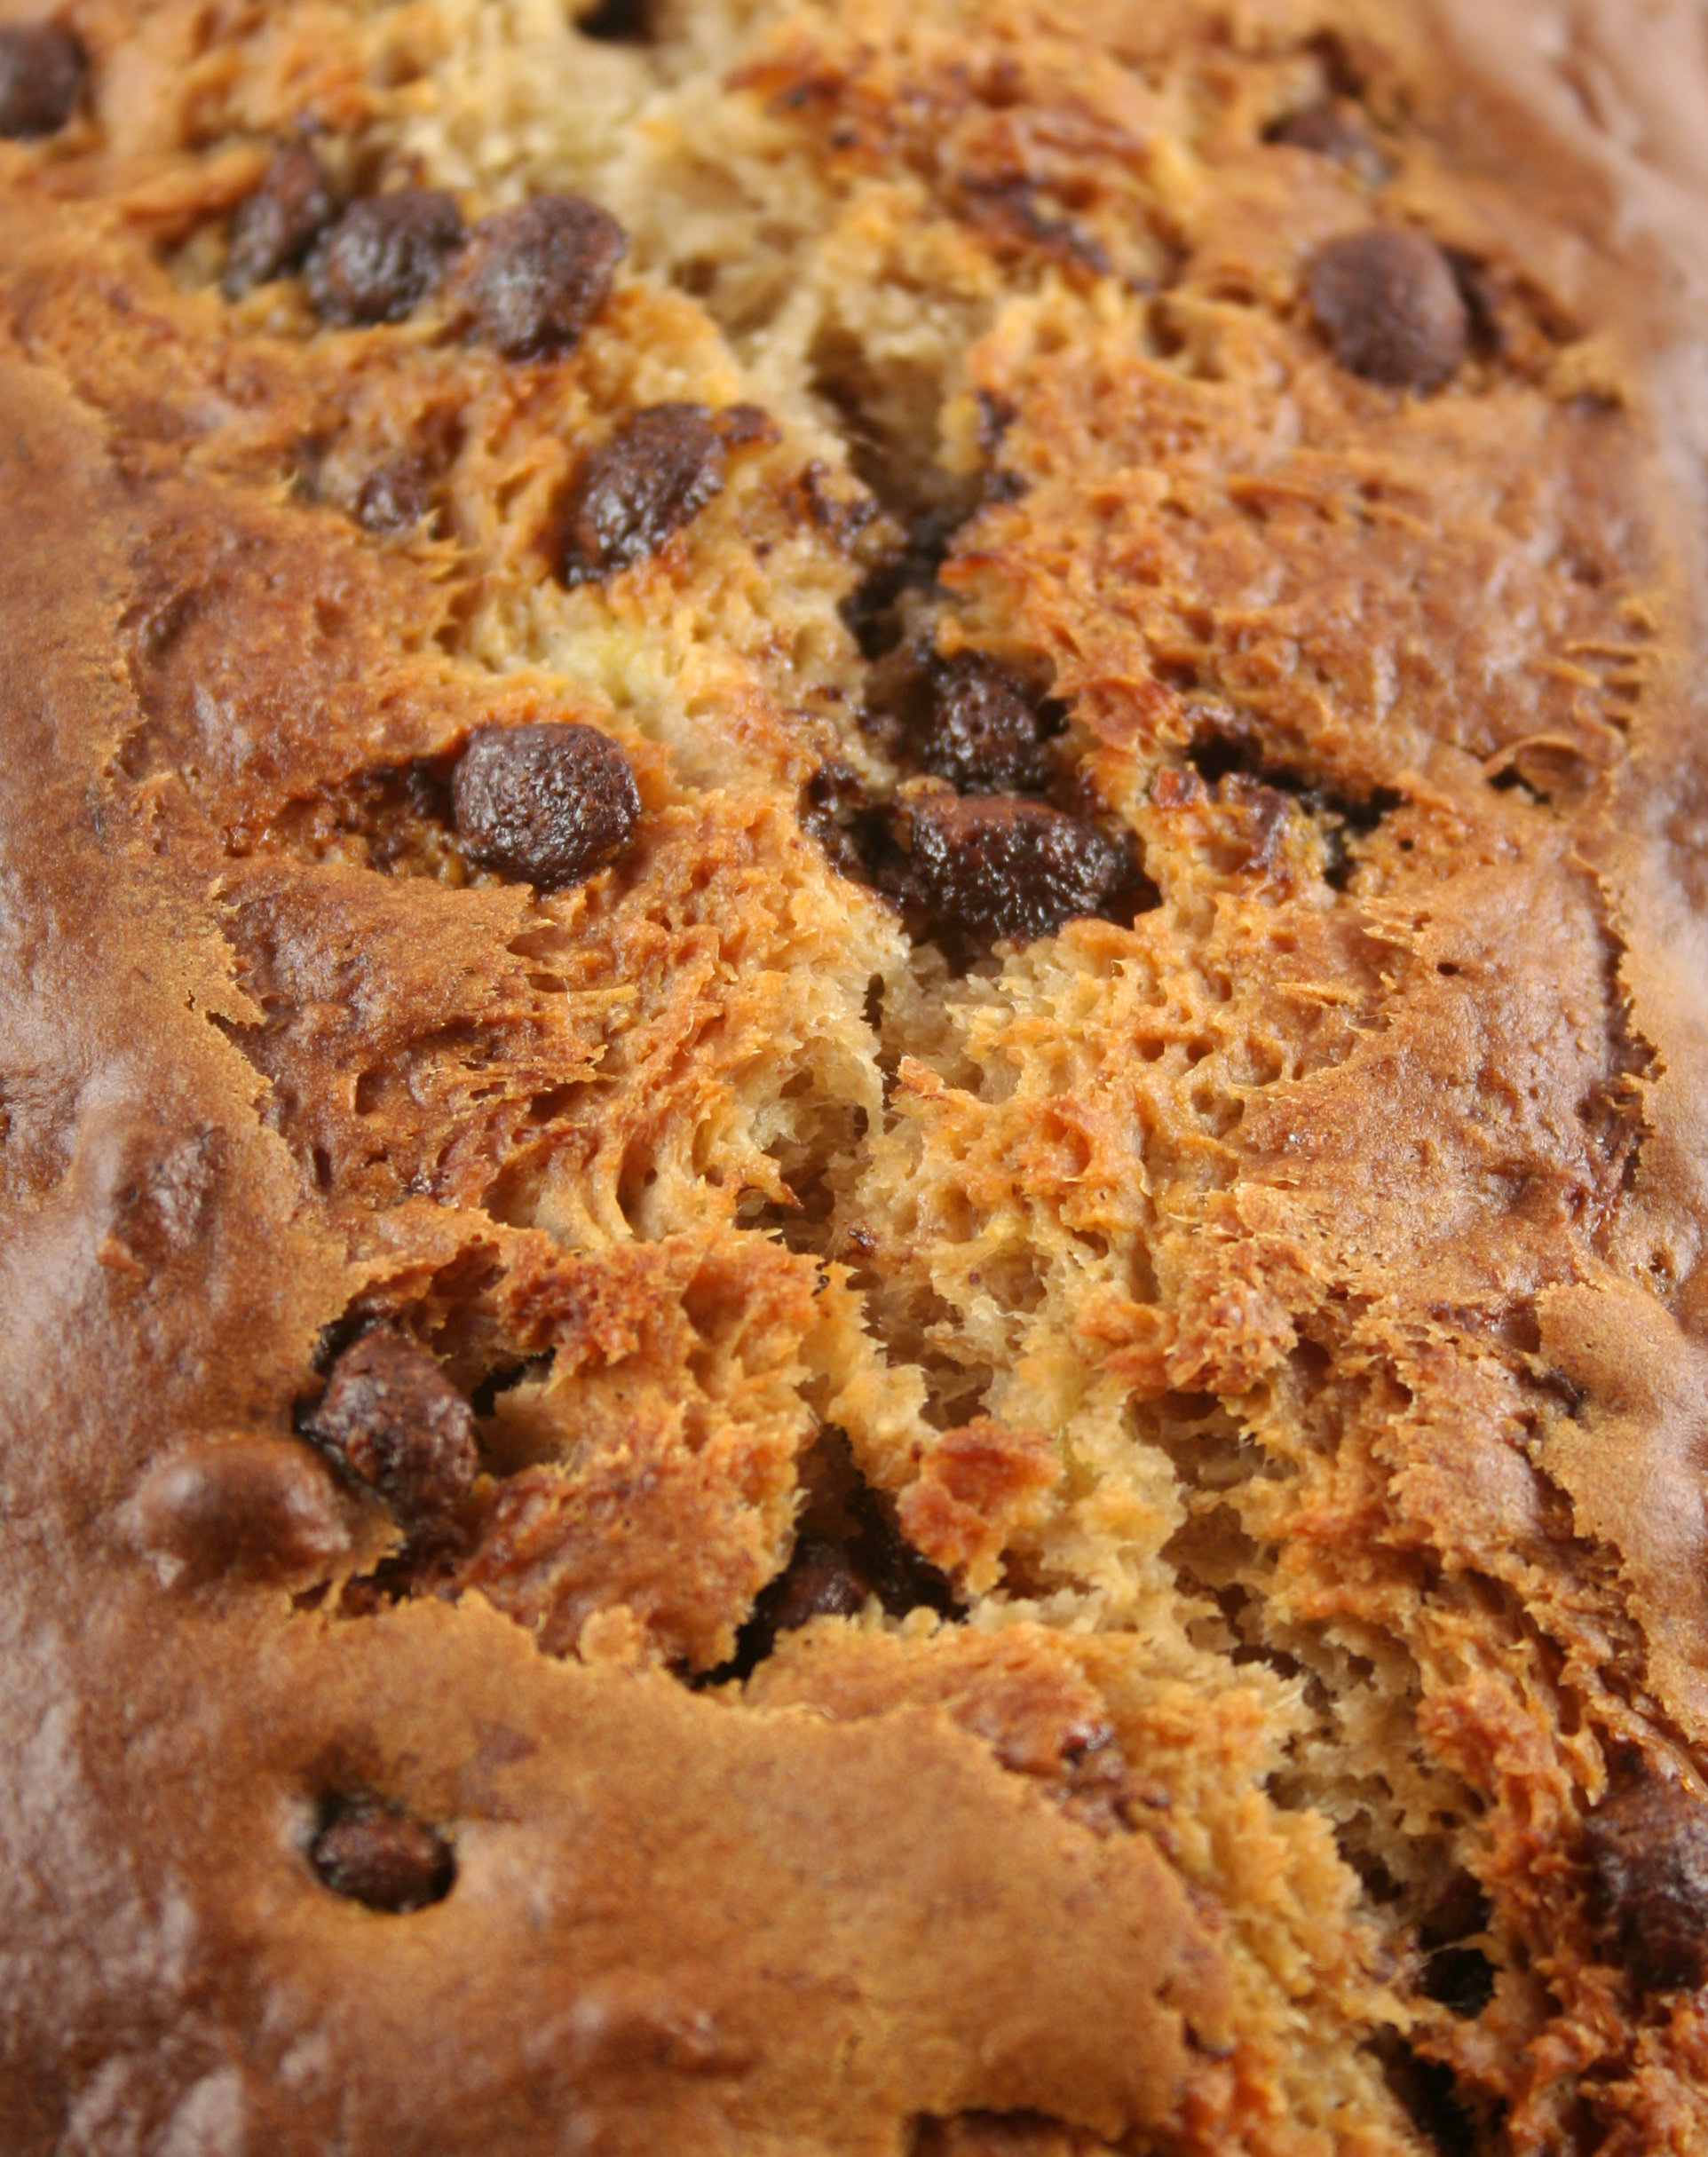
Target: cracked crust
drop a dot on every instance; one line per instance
(1064, 1538)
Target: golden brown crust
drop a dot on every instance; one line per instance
(1228, 1372)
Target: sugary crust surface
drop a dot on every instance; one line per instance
(1064, 1533)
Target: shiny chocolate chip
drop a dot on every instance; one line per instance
(276, 227)
(541, 272)
(980, 727)
(994, 866)
(250, 1506)
(546, 804)
(371, 1854)
(1388, 303)
(390, 1419)
(43, 69)
(654, 474)
(1648, 1851)
(384, 255)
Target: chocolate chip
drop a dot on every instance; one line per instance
(372, 1854)
(994, 866)
(384, 255)
(276, 225)
(541, 272)
(874, 610)
(834, 811)
(1335, 130)
(1390, 307)
(980, 727)
(618, 22)
(392, 1419)
(546, 804)
(652, 476)
(250, 1506)
(822, 1580)
(396, 495)
(848, 1547)
(1649, 1849)
(42, 72)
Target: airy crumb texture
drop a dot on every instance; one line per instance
(853, 1079)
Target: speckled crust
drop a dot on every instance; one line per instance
(1061, 1537)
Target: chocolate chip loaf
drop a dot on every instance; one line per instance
(853, 1085)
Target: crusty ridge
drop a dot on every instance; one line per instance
(1251, 1304)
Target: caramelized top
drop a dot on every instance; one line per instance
(850, 1111)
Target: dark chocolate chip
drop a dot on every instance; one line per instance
(396, 495)
(42, 72)
(836, 811)
(276, 227)
(384, 255)
(541, 272)
(848, 1547)
(618, 22)
(1649, 1849)
(371, 1854)
(546, 804)
(980, 727)
(873, 610)
(822, 1580)
(653, 476)
(392, 1419)
(1390, 307)
(1335, 130)
(994, 866)
(253, 1506)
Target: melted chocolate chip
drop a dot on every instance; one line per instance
(1390, 307)
(546, 804)
(980, 727)
(992, 865)
(1648, 1848)
(275, 227)
(371, 1854)
(541, 272)
(41, 73)
(384, 255)
(391, 1419)
(874, 610)
(1335, 130)
(396, 495)
(836, 811)
(652, 476)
